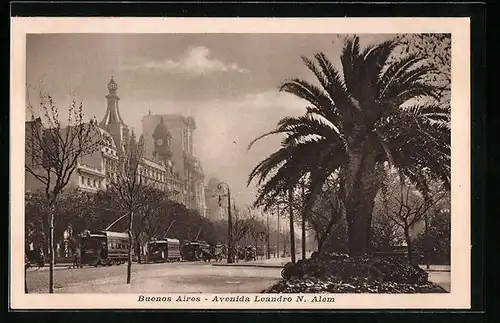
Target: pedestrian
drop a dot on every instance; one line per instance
(77, 258)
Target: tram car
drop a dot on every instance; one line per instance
(214, 252)
(164, 250)
(104, 248)
(194, 250)
(218, 251)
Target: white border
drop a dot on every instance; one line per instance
(460, 116)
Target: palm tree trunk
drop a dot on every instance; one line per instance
(319, 241)
(303, 225)
(361, 189)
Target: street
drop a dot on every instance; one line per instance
(182, 277)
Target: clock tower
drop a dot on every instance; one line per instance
(162, 141)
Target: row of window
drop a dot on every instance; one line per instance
(110, 164)
(153, 174)
(90, 182)
(117, 245)
(110, 151)
(186, 140)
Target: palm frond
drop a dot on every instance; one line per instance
(308, 92)
(335, 86)
(395, 69)
(349, 59)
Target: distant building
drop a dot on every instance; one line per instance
(92, 170)
(215, 211)
(191, 174)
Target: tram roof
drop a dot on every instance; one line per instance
(167, 240)
(116, 234)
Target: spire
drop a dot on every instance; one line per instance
(112, 86)
(112, 115)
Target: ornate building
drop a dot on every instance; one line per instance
(180, 139)
(93, 169)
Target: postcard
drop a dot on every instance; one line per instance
(240, 163)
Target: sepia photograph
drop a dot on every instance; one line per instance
(282, 169)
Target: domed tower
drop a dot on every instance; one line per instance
(162, 139)
(112, 121)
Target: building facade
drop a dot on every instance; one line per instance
(93, 170)
(215, 203)
(180, 137)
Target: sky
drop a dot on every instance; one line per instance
(227, 82)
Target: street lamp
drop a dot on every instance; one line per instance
(268, 253)
(229, 223)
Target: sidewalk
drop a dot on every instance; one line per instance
(436, 268)
(438, 274)
(266, 263)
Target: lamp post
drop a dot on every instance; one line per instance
(229, 223)
(268, 253)
(278, 234)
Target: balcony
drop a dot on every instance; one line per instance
(90, 169)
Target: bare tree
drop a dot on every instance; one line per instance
(53, 152)
(326, 211)
(257, 230)
(154, 220)
(130, 186)
(406, 206)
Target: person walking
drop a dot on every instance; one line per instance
(77, 261)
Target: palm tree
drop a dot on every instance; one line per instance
(380, 110)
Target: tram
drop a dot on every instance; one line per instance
(104, 248)
(194, 250)
(166, 250)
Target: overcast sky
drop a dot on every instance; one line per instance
(227, 82)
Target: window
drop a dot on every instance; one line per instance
(88, 182)
(95, 183)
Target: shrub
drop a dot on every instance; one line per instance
(339, 273)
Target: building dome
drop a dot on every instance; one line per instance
(112, 86)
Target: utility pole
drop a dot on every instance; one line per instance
(268, 254)
(292, 225)
(278, 234)
(229, 224)
(303, 222)
(427, 253)
(237, 230)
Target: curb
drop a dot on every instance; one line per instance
(248, 265)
